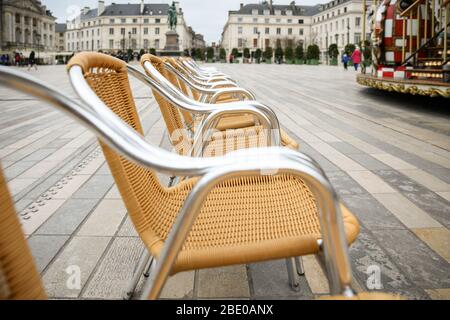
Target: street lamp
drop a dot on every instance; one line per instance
(38, 38)
(129, 46)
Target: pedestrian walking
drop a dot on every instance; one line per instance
(32, 61)
(17, 59)
(356, 58)
(345, 60)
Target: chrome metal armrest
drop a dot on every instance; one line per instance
(245, 94)
(178, 99)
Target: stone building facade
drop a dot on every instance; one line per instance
(119, 27)
(267, 24)
(26, 25)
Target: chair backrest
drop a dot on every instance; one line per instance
(19, 279)
(140, 188)
(171, 114)
(174, 63)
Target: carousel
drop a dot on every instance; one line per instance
(410, 52)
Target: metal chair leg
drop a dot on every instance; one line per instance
(292, 274)
(148, 268)
(299, 266)
(139, 269)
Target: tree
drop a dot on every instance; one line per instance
(279, 54)
(333, 51)
(299, 53)
(258, 54)
(235, 53)
(210, 53)
(198, 54)
(313, 52)
(268, 54)
(141, 53)
(349, 49)
(247, 53)
(289, 53)
(223, 54)
(152, 51)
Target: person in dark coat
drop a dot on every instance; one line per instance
(32, 61)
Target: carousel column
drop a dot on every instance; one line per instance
(446, 32)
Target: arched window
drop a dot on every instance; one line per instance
(17, 18)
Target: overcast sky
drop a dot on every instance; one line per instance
(205, 16)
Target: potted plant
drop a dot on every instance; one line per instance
(289, 54)
(268, 54)
(235, 54)
(299, 54)
(258, 54)
(349, 49)
(279, 55)
(209, 54)
(313, 54)
(246, 55)
(333, 53)
(223, 55)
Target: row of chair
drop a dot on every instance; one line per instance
(254, 198)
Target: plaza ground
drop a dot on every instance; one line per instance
(388, 156)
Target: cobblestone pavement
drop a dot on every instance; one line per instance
(387, 155)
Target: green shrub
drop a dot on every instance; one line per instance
(222, 54)
(313, 52)
(299, 54)
(210, 54)
(268, 54)
(258, 54)
(289, 54)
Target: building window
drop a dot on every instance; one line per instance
(240, 43)
(98, 44)
(255, 30)
(300, 21)
(301, 32)
(267, 43)
(290, 31)
(145, 30)
(267, 20)
(157, 31)
(289, 21)
(111, 44)
(111, 31)
(157, 44)
(255, 43)
(122, 31)
(134, 31)
(157, 20)
(357, 21)
(267, 30)
(135, 20)
(123, 20)
(145, 43)
(133, 44)
(111, 21)
(357, 38)
(345, 9)
(278, 20)
(240, 19)
(240, 30)
(17, 18)
(255, 20)
(278, 30)
(98, 32)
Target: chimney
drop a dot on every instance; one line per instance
(242, 6)
(142, 6)
(85, 10)
(101, 7)
(271, 4)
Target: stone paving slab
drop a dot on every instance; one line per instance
(387, 155)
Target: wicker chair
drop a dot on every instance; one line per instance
(194, 241)
(19, 279)
(176, 121)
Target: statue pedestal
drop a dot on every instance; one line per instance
(172, 47)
